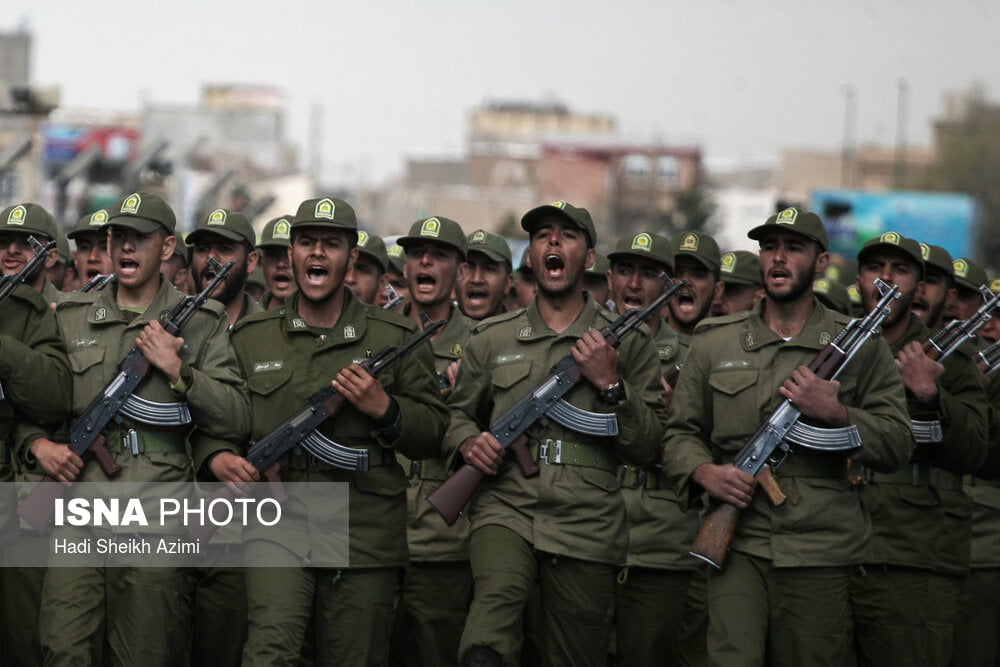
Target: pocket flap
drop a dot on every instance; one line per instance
(508, 375)
(82, 359)
(734, 381)
(267, 383)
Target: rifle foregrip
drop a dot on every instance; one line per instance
(716, 532)
(523, 457)
(38, 508)
(931, 351)
(99, 448)
(826, 363)
(454, 494)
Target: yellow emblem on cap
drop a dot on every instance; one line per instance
(217, 217)
(788, 216)
(17, 215)
(728, 262)
(853, 293)
(689, 242)
(961, 268)
(642, 242)
(995, 286)
(324, 209)
(925, 252)
(558, 204)
(396, 251)
(282, 230)
(132, 204)
(430, 227)
(890, 237)
(478, 236)
(362, 239)
(99, 217)
(822, 285)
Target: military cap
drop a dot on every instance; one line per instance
(741, 267)
(438, 230)
(579, 217)
(493, 246)
(29, 219)
(832, 294)
(277, 232)
(374, 247)
(599, 267)
(326, 212)
(792, 219)
(62, 245)
(935, 256)
(700, 246)
(644, 245)
(92, 222)
(968, 274)
(995, 286)
(231, 225)
(854, 295)
(907, 246)
(396, 258)
(144, 212)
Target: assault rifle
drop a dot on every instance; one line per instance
(946, 341)
(394, 298)
(300, 428)
(770, 444)
(988, 360)
(545, 401)
(97, 283)
(118, 400)
(10, 283)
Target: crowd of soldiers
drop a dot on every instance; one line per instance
(883, 549)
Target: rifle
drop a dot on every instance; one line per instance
(946, 341)
(300, 429)
(988, 360)
(97, 283)
(394, 298)
(115, 401)
(10, 283)
(761, 453)
(544, 401)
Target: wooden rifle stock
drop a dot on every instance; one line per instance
(454, 494)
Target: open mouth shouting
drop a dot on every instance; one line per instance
(426, 283)
(127, 267)
(779, 277)
(684, 302)
(476, 296)
(633, 302)
(554, 265)
(282, 280)
(316, 275)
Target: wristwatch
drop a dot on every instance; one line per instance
(612, 394)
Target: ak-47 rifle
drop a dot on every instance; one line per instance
(770, 444)
(118, 400)
(988, 360)
(544, 401)
(300, 429)
(395, 298)
(10, 283)
(97, 283)
(949, 339)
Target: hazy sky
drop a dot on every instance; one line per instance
(741, 78)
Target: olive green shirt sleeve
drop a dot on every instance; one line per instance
(964, 414)
(469, 404)
(34, 370)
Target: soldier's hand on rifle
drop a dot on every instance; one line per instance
(920, 373)
(363, 391)
(814, 397)
(598, 361)
(57, 460)
(161, 349)
(726, 482)
(234, 470)
(483, 451)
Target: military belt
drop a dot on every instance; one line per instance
(431, 469)
(918, 474)
(377, 456)
(800, 464)
(564, 452)
(145, 441)
(632, 477)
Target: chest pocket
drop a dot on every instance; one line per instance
(265, 384)
(734, 402)
(508, 375)
(82, 359)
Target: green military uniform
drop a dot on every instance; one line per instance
(567, 526)
(905, 598)
(437, 585)
(35, 380)
(285, 361)
(727, 389)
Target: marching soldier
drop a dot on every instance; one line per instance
(91, 257)
(226, 236)
(274, 261)
(487, 278)
(741, 283)
(367, 277)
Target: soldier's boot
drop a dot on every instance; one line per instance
(482, 656)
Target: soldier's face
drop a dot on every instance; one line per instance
(894, 268)
(136, 257)
(364, 278)
(398, 283)
(91, 256)
(277, 267)
(223, 250)
(635, 283)
(735, 298)
(431, 270)
(320, 258)
(558, 256)
(484, 287)
(932, 294)
(789, 263)
(693, 302)
(964, 305)
(15, 253)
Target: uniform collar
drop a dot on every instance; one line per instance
(350, 327)
(105, 308)
(820, 329)
(589, 318)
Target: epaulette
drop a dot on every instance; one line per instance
(711, 322)
(30, 296)
(496, 319)
(214, 307)
(383, 315)
(274, 313)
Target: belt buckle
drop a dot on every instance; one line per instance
(641, 477)
(555, 446)
(415, 468)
